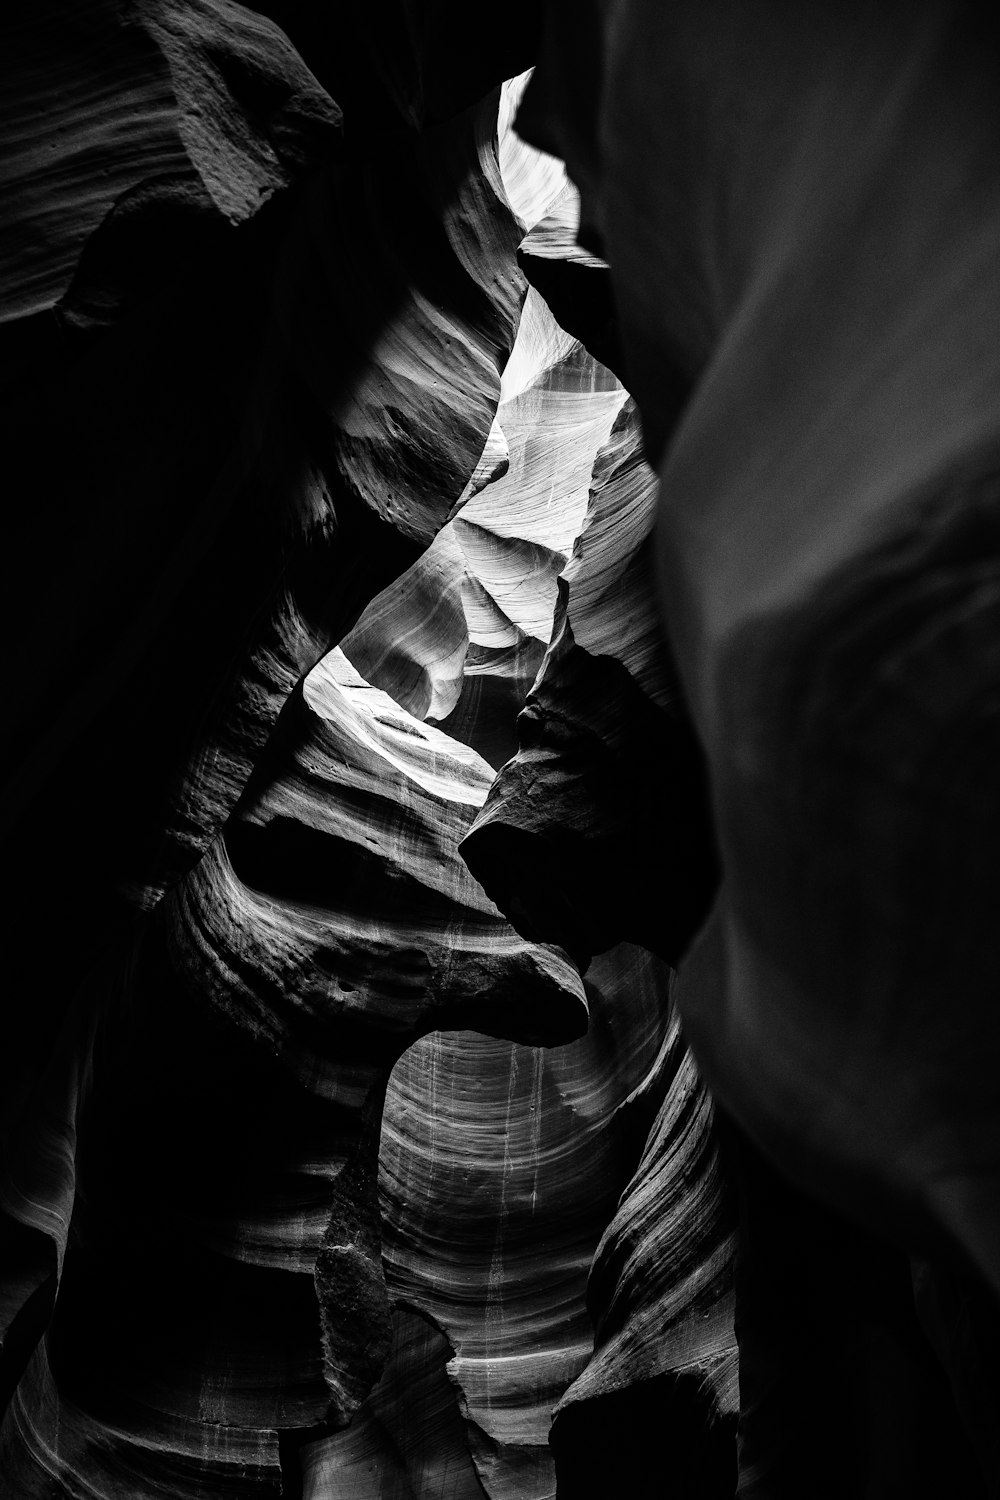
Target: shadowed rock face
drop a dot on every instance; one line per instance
(796, 212)
(825, 542)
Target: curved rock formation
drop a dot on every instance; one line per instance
(271, 993)
(824, 493)
(608, 777)
(400, 527)
(500, 1166)
(811, 263)
(208, 1122)
(170, 1046)
(675, 1213)
(660, 1392)
(608, 774)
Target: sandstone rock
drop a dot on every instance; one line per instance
(192, 1177)
(229, 1155)
(319, 1172)
(795, 211)
(192, 369)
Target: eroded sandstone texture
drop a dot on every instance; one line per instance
(495, 650)
(261, 346)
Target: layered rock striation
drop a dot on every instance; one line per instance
(268, 345)
(502, 650)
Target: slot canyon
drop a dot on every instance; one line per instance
(504, 538)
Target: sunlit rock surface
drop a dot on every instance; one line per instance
(209, 515)
(500, 1166)
(661, 1389)
(608, 773)
(270, 996)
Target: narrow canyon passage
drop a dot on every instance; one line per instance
(500, 937)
